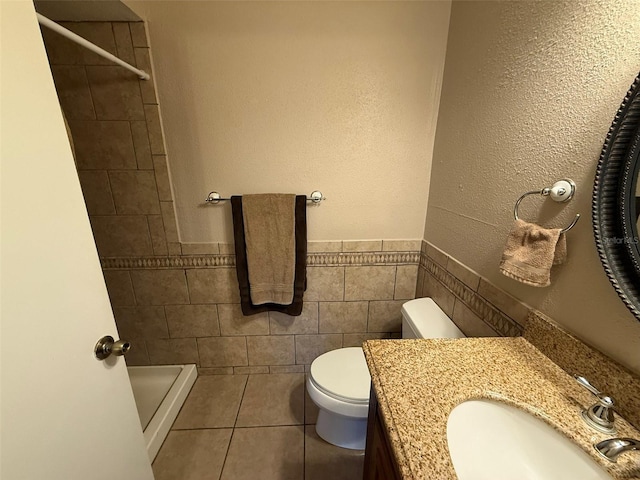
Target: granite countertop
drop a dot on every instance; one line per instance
(419, 382)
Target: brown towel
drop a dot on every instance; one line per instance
(531, 251)
(294, 307)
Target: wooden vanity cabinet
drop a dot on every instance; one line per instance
(379, 463)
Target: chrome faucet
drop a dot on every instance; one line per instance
(613, 447)
(598, 416)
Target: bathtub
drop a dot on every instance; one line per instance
(159, 392)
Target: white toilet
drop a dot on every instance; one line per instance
(339, 382)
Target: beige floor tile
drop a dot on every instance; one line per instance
(276, 399)
(310, 409)
(265, 453)
(192, 455)
(213, 402)
(323, 460)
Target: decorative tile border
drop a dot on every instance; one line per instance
(313, 259)
(480, 306)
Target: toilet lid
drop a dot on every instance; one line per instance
(343, 374)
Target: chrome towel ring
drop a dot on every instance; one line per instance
(561, 191)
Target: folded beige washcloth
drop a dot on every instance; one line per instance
(269, 227)
(531, 251)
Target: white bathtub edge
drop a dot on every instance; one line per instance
(161, 423)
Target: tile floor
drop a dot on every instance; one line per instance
(236, 427)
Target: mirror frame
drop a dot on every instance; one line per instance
(613, 202)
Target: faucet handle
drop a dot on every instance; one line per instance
(600, 414)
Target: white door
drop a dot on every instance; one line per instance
(64, 414)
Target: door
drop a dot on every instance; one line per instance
(64, 414)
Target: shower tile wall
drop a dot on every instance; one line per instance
(179, 303)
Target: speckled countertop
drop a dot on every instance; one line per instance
(419, 382)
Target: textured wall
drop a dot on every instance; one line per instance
(296, 96)
(530, 89)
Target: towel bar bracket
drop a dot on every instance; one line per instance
(214, 198)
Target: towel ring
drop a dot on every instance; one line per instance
(561, 191)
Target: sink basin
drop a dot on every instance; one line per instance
(494, 441)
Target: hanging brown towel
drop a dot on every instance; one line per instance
(249, 307)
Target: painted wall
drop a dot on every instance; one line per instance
(340, 97)
(530, 89)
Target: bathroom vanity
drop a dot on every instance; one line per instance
(417, 383)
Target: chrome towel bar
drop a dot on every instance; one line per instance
(214, 198)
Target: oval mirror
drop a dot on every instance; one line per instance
(616, 201)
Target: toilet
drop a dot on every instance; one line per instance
(339, 382)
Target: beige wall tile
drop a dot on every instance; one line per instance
(192, 321)
(116, 93)
(222, 351)
(169, 220)
(286, 369)
(420, 282)
(62, 51)
(138, 34)
(121, 236)
(423, 246)
(357, 339)
(147, 87)
(437, 255)
(227, 248)
(173, 351)
(401, 245)
(257, 370)
(440, 294)
(385, 316)
(103, 145)
(137, 354)
(135, 192)
(308, 347)
(271, 350)
(464, 274)
(324, 284)
(73, 91)
(141, 145)
(343, 317)
(141, 322)
(97, 192)
(324, 246)
(406, 279)
(233, 322)
(160, 287)
(362, 245)
(504, 302)
(200, 249)
(124, 46)
(152, 114)
(213, 285)
(162, 178)
(306, 322)
(119, 287)
(470, 324)
(215, 371)
(158, 239)
(174, 248)
(370, 283)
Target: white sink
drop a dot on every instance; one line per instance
(493, 441)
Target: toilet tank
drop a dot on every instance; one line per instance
(423, 318)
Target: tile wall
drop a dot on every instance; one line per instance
(479, 308)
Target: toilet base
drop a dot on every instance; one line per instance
(345, 432)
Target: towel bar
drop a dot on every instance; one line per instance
(561, 191)
(214, 198)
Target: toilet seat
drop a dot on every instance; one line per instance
(353, 383)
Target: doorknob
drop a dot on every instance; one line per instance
(106, 346)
